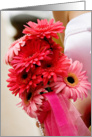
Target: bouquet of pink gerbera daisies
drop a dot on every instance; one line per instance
(45, 79)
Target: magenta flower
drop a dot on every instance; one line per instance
(44, 28)
(31, 55)
(23, 82)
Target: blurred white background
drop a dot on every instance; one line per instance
(14, 121)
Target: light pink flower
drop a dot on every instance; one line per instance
(77, 84)
(31, 103)
(43, 28)
(15, 48)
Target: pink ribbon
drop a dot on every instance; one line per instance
(61, 125)
(58, 120)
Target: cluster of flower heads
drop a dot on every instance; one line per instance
(39, 66)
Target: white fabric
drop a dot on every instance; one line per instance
(77, 42)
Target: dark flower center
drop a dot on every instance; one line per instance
(48, 65)
(70, 80)
(29, 95)
(25, 75)
(36, 65)
(51, 49)
(42, 76)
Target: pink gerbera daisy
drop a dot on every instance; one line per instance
(31, 55)
(31, 103)
(23, 82)
(76, 82)
(15, 48)
(44, 28)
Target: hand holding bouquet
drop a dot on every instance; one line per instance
(45, 79)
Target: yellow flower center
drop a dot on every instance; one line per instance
(71, 79)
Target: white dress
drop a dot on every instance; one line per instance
(77, 42)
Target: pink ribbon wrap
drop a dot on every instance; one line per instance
(61, 118)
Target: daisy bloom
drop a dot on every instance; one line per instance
(76, 82)
(31, 102)
(31, 55)
(43, 28)
(23, 82)
(15, 48)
